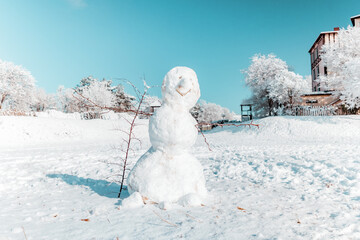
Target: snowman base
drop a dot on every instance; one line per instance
(163, 177)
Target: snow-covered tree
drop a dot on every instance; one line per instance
(275, 88)
(99, 93)
(42, 100)
(85, 82)
(66, 102)
(16, 87)
(343, 63)
(93, 94)
(123, 101)
(210, 112)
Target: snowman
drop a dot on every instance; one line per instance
(168, 172)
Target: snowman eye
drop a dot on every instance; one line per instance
(180, 77)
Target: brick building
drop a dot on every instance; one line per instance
(317, 65)
(321, 96)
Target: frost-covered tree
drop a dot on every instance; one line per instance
(123, 101)
(42, 100)
(210, 112)
(274, 87)
(16, 87)
(85, 82)
(66, 102)
(99, 93)
(93, 94)
(343, 63)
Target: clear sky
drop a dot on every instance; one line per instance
(62, 41)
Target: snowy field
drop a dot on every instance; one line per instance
(294, 178)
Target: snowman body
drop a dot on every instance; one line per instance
(167, 171)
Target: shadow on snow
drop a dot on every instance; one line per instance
(101, 187)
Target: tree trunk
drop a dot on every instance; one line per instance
(270, 103)
(2, 100)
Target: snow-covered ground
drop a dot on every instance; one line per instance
(293, 178)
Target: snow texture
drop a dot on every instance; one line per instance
(168, 171)
(293, 178)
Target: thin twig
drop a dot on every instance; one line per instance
(24, 232)
(194, 218)
(164, 220)
(232, 124)
(208, 145)
(136, 90)
(129, 142)
(251, 124)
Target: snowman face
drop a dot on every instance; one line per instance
(181, 87)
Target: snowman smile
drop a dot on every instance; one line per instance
(184, 86)
(182, 93)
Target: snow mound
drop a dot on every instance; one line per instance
(20, 131)
(190, 200)
(327, 128)
(58, 115)
(133, 201)
(108, 115)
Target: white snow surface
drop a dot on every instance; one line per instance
(59, 128)
(293, 178)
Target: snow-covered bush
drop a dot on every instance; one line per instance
(16, 87)
(275, 88)
(210, 112)
(343, 63)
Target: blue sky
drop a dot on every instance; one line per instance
(62, 41)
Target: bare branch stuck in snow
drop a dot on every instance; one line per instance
(164, 220)
(130, 136)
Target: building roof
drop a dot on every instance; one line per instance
(317, 93)
(155, 103)
(322, 33)
(353, 19)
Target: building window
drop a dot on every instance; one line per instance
(325, 71)
(314, 88)
(313, 74)
(318, 72)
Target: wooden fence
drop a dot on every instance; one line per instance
(315, 111)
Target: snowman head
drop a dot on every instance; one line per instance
(181, 87)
